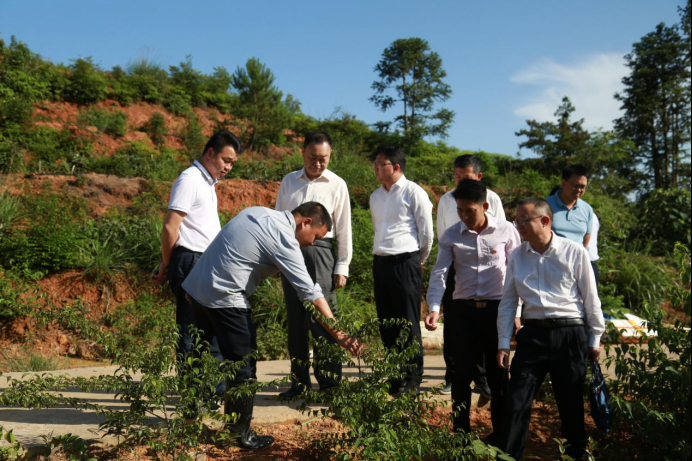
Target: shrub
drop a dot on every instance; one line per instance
(103, 250)
(156, 128)
(86, 83)
(112, 123)
(138, 160)
(666, 218)
(55, 150)
(193, 138)
(651, 395)
(48, 236)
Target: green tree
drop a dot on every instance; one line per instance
(411, 73)
(262, 103)
(87, 84)
(656, 105)
(188, 79)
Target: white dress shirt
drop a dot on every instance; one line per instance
(258, 243)
(402, 219)
(331, 191)
(559, 283)
(480, 261)
(592, 247)
(447, 211)
(194, 193)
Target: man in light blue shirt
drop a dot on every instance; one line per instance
(258, 243)
(572, 217)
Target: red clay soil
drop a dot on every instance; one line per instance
(63, 115)
(294, 440)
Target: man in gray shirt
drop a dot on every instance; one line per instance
(256, 244)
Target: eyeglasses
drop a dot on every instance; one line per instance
(577, 186)
(380, 165)
(521, 222)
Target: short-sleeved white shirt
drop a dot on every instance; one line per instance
(194, 193)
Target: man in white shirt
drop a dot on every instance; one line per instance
(563, 324)
(191, 223)
(465, 167)
(402, 220)
(314, 182)
(478, 248)
(257, 243)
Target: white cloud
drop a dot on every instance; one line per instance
(590, 84)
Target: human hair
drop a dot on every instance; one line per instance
(317, 137)
(317, 212)
(468, 160)
(221, 139)
(394, 154)
(468, 189)
(575, 170)
(539, 204)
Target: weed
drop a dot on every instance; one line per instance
(112, 123)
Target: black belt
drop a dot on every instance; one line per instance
(554, 323)
(478, 303)
(396, 258)
(182, 249)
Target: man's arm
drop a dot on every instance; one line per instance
(506, 316)
(586, 282)
(441, 223)
(422, 213)
(344, 237)
(169, 235)
(349, 343)
(587, 238)
(437, 285)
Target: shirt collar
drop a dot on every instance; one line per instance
(399, 184)
(325, 176)
(291, 219)
(554, 245)
(561, 203)
(205, 173)
(492, 223)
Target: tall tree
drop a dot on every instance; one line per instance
(261, 102)
(566, 141)
(558, 143)
(656, 105)
(411, 73)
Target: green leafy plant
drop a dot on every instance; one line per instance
(651, 395)
(112, 123)
(12, 450)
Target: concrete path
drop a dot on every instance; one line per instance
(30, 425)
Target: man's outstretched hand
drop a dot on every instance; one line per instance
(349, 343)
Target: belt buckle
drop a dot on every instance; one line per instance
(481, 304)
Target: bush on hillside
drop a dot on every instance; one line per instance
(138, 160)
(156, 128)
(112, 123)
(55, 150)
(86, 83)
(665, 218)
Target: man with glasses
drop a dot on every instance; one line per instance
(573, 217)
(465, 167)
(563, 324)
(478, 248)
(314, 182)
(402, 220)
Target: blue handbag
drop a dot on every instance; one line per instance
(599, 398)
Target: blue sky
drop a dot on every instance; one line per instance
(506, 60)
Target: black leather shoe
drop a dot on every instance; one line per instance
(292, 392)
(252, 441)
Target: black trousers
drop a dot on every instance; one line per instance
(398, 283)
(479, 376)
(237, 339)
(475, 334)
(562, 352)
(596, 273)
(319, 261)
(186, 314)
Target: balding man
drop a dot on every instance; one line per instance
(562, 327)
